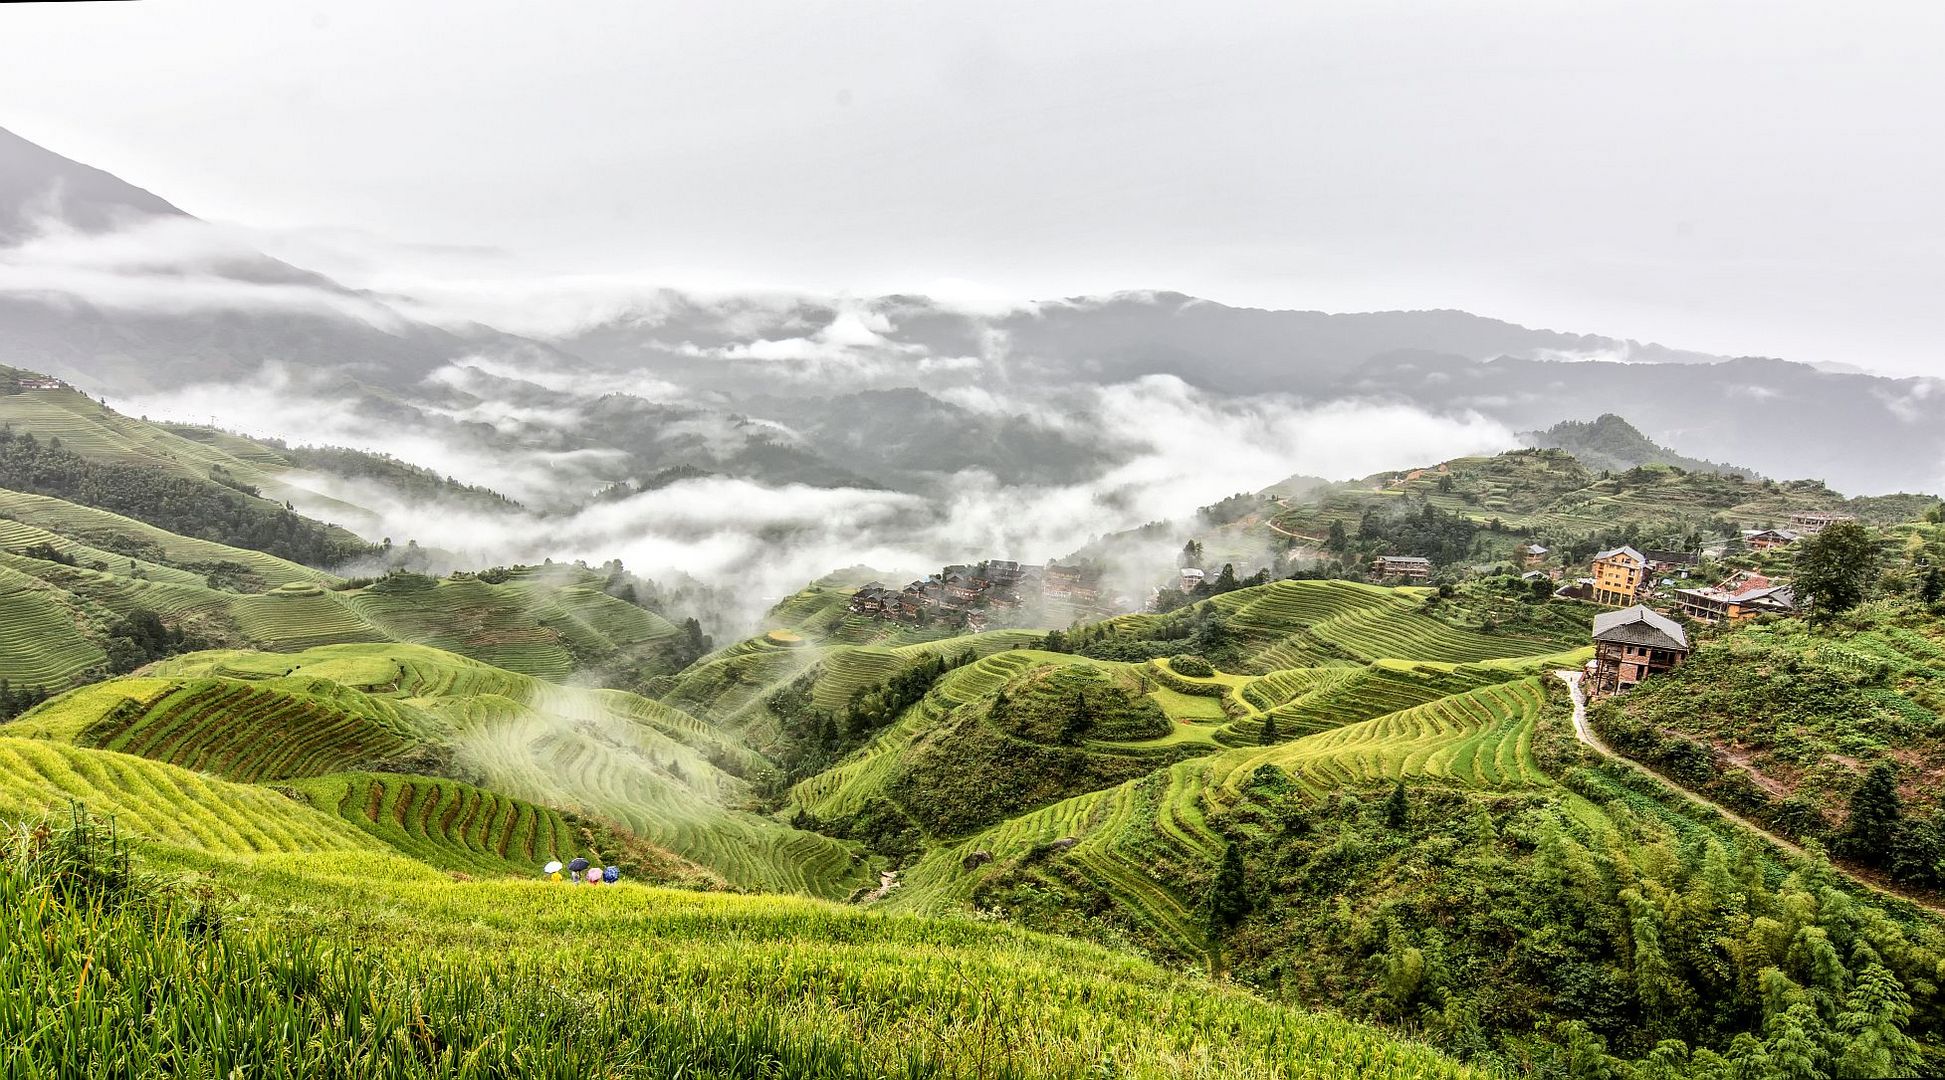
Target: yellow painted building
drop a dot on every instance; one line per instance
(1618, 576)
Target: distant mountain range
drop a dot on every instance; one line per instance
(898, 391)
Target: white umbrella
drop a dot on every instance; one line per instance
(551, 868)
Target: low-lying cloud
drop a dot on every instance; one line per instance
(1177, 448)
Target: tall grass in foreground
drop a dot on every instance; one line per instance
(105, 971)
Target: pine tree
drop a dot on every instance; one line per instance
(1875, 811)
(1397, 810)
(1269, 736)
(1228, 895)
(1079, 720)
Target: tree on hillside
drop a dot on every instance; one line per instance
(1228, 894)
(1334, 540)
(1836, 568)
(1932, 588)
(1397, 808)
(1079, 720)
(1875, 812)
(1270, 735)
(1192, 553)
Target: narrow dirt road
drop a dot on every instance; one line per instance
(1585, 733)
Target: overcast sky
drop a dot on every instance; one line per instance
(1759, 177)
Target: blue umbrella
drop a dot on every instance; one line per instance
(611, 875)
(578, 865)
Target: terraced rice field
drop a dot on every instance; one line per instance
(1129, 837)
(1482, 738)
(1310, 623)
(41, 643)
(591, 619)
(847, 669)
(92, 431)
(300, 616)
(602, 753)
(17, 537)
(249, 732)
(85, 524)
(163, 802)
(447, 824)
(1348, 695)
(843, 789)
(725, 684)
(488, 622)
(662, 792)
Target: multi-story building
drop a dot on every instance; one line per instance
(1412, 567)
(1812, 522)
(1742, 597)
(1620, 574)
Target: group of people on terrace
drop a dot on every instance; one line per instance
(580, 871)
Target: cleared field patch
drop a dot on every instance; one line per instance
(1190, 708)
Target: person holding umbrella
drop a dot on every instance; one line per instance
(552, 870)
(575, 869)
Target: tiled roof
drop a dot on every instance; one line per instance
(1640, 625)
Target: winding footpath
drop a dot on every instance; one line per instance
(1585, 734)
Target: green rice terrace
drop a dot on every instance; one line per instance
(812, 830)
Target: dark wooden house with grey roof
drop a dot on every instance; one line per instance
(1632, 644)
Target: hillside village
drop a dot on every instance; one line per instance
(994, 593)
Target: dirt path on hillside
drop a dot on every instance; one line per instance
(1585, 734)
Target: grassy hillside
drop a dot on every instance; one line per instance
(533, 979)
(69, 573)
(1479, 509)
(1336, 794)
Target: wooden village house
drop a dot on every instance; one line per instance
(1764, 539)
(1632, 644)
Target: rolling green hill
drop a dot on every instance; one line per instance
(68, 573)
(1479, 509)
